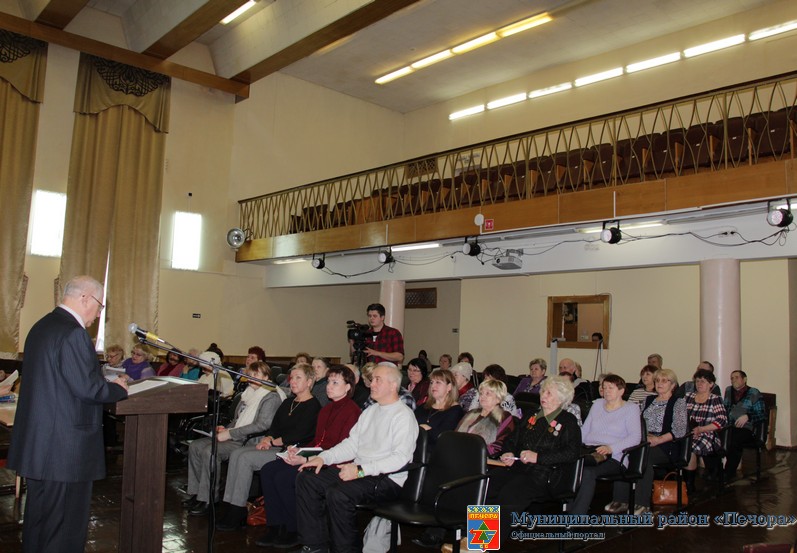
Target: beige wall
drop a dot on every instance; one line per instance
(432, 329)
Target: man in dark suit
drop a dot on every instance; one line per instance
(57, 437)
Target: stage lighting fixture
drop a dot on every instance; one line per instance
(611, 235)
(318, 262)
(385, 256)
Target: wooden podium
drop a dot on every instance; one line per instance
(144, 472)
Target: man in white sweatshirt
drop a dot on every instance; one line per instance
(331, 485)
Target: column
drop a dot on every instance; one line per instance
(720, 317)
(391, 295)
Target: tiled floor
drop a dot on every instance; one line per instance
(774, 494)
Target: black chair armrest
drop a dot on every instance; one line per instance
(254, 435)
(447, 487)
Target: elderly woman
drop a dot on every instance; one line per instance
(497, 372)
(646, 386)
(278, 477)
(706, 414)
(191, 370)
(541, 441)
(137, 365)
(224, 383)
(490, 419)
(114, 356)
(293, 424)
(173, 366)
(463, 372)
(531, 383)
(254, 414)
(441, 411)
(417, 372)
(665, 418)
(611, 426)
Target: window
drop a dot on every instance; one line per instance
(186, 240)
(47, 223)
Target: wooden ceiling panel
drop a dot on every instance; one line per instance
(58, 13)
(192, 27)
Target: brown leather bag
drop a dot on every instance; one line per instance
(665, 492)
(257, 512)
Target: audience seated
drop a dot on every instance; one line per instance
(746, 409)
(441, 412)
(404, 395)
(463, 372)
(173, 366)
(191, 370)
(656, 360)
(278, 477)
(665, 418)
(611, 426)
(445, 361)
(225, 385)
(497, 372)
(417, 373)
(254, 414)
(293, 424)
(320, 368)
(137, 366)
(706, 415)
(489, 419)
(646, 386)
(689, 386)
(114, 356)
(531, 384)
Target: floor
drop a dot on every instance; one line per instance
(774, 494)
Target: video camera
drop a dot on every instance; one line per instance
(358, 334)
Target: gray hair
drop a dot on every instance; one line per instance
(393, 373)
(82, 285)
(560, 386)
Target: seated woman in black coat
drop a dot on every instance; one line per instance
(541, 440)
(441, 411)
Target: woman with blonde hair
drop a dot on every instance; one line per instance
(490, 420)
(137, 366)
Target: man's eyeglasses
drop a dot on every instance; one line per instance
(102, 306)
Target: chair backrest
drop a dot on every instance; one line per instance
(638, 461)
(456, 455)
(569, 479)
(411, 491)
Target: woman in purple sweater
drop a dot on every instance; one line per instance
(612, 426)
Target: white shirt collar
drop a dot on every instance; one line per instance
(73, 313)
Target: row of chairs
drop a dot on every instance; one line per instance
(680, 151)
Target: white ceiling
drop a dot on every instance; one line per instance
(580, 29)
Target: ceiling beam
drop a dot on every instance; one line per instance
(59, 13)
(114, 53)
(192, 27)
(343, 27)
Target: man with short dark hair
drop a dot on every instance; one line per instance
(331, 485)
(689, 385)
(746, 409)
(57, 444)
(386, 342)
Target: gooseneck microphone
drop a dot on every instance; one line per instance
(144, 334)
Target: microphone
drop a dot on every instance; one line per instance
(144, 334)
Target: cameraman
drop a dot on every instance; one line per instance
(386, 343)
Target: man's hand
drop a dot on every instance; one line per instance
(120, 381)
(313, 463)
(348, 472)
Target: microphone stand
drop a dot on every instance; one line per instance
(215, 412)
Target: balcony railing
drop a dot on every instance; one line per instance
(737, 126)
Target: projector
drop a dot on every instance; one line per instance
(510, 260)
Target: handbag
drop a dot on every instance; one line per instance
(665, 492)
(257, 512)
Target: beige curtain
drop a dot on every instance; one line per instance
(114, 191)
(22, 65)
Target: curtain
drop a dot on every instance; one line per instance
(22, 67)
(115, 187)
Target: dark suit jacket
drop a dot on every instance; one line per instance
(57, 432)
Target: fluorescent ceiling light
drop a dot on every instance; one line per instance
(630, 226)
(654, 62)
(550, 90)
(713, 46)
(589, 79)
(394, 75)
(776, 30)
(466, 112)
(524, 25)
(289, 260)
(410, 247)
(440, 56)
(475, 43)
(239, 12)
(501, 102)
